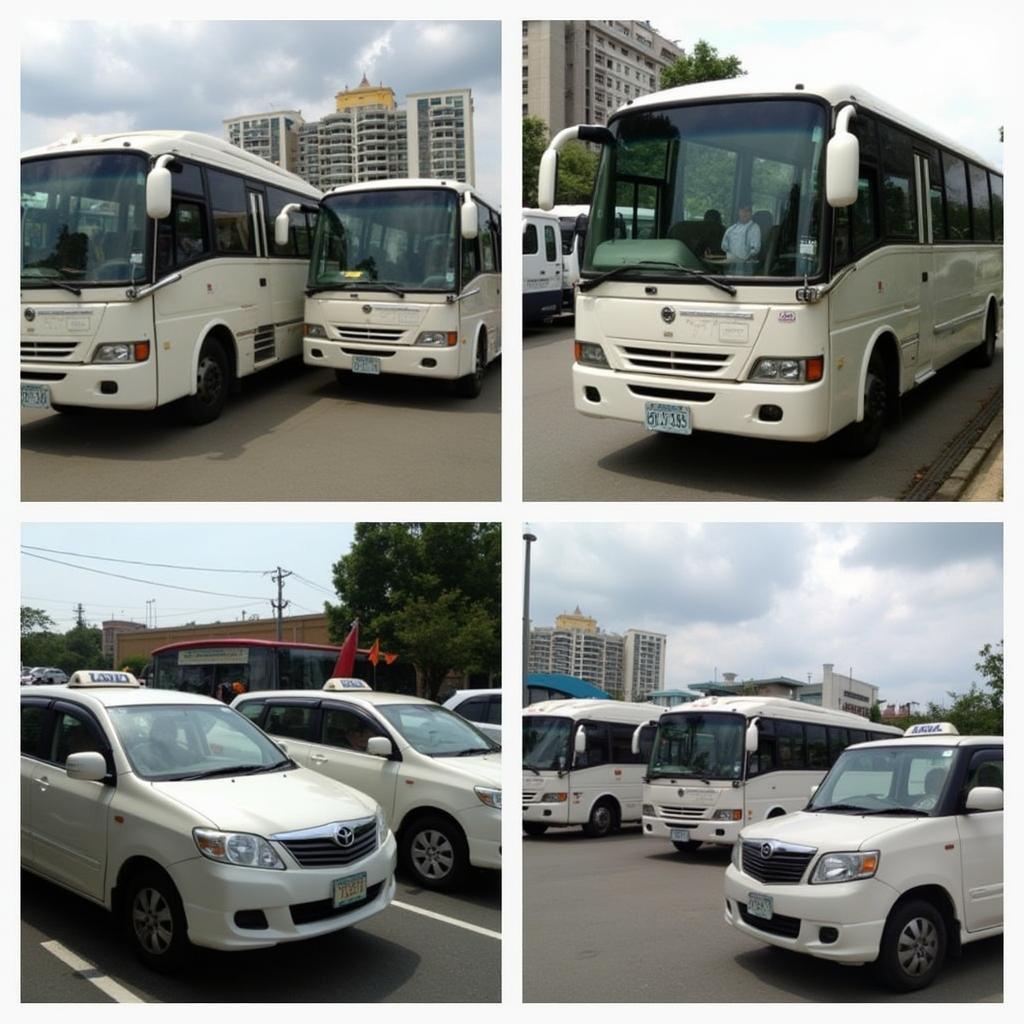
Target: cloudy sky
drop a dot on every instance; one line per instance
(952, 79)
(907, 606)
(104, 76)
(308, 549)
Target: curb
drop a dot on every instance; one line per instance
(957, 482)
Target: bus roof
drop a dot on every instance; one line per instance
(833, 92)
(234, 641)
(395, 183)
(206, 148)
(784, 707)
(602, 710)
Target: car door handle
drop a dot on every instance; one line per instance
(43, 782)
(318, 758)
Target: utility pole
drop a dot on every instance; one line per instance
(530, 539)
(279, 605)
(80, 616)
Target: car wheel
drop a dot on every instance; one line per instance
(602, 820)
(211, 385)
(156, 921)
(534, 828)
(435, 853)
(913, 946)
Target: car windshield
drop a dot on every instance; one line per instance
(185, 741)
(546, 742)
(706, 745)
(436, 731)
(83, 219)
(907, 779)
(404, 238)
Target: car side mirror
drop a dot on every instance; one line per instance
(89, 766)
(379, 746)
(984, 798)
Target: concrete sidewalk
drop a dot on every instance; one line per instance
(979, 475)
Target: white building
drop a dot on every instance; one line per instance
(274, 136)
(440, 135)
(643, 664)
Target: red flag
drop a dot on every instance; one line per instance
(389, 659)
(346, 663)
(374, 655)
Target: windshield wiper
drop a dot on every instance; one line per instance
(376, 286)
(841, 807)
(469, 751)
(365, 286)
(31, 282)
(531, 767)
(912, 811)
(592, 282)
(235, 769)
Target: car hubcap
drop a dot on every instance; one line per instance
(918, 946)
(432, 854)
(210, 380)
(152, 921)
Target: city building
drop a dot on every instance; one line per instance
(111, 628)
(580, 72)
(274, 136)
(440, 135)
(643, 664)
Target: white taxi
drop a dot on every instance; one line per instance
(897, 858)
(437, 777)
(176, 813)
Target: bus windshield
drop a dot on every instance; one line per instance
(83, 219)
(704, 745)
(546, 742)
(728, 188)
(404, 238)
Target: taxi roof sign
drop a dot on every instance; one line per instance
(933, 729)
(346, 684)
(90, 677)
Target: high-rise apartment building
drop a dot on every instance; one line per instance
(643, 664)
(273, 136)
(440, 134)
(579, 72)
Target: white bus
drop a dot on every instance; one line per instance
(405, 278)
(720, 763)
(793, 260)
(148, 275)
(580, 766)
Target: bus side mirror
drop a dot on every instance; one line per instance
(546, 179)
(581, 231)
(984, 798)
(281, 229)
(379, 746)
(842, 162)
(579, 742)
(470, 219)
(750, 743)
(635, 744)
(158, 192)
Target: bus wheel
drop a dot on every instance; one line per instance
(913, 946)
(343, 376)
(862, 438)
(534, 828)
(472, 384)
(687, 849)
(601, 821)
(982, 355)
(211, 385)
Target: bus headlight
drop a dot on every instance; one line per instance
(122, 352)
(647, 810)
(845, 867)
(437, 339)
(807, 370)
(590, 353)
(314, 331)
(237, 848)
(734, 815)
(491, 797)
(554, 798)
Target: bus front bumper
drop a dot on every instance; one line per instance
(728, 407)
(723, 833)
(408, 360)
(554, 814)
(89, 385)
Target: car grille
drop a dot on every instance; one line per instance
(778, 924)
(692, 364)
(320, 910)
(674, 812)
(380, 335)
(321, 850)
(34, 349)
(785, 866)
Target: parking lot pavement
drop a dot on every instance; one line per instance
(626, 919)
(426, 947)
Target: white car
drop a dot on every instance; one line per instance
(897, 859)
(481, 707)
(41, 676)
(436, 776)
(176, 813)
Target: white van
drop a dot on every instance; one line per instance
(543, 289)
(897, 859)
(437, 777)
(579, 767)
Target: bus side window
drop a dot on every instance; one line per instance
(647, 734)
(470, 259)
(622, 744)
(764, 759)
(596, 752)
(838, 741)
(817, 746)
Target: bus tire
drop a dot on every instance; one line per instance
(155, 920)
(602, 820)
(212, 383)
(687, 849)
(862, 438)
(983, 354)
(534, 828)
(343, 376)
(913, 946)
(472, 384)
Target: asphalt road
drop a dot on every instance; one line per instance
(625, 919)
(571, 457)
(292, 434)
(400, 955)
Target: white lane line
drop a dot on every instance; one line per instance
(448, 920)
(106, 985)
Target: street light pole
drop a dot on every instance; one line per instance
(529, 538)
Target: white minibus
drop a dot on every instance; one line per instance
(148, 275)
(580, 766)
(543, 266)
(405, 278)
(780, 262)
(720, 763)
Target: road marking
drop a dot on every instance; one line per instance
(448, 920)
(91, 974)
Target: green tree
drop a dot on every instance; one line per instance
(35, 620)
(702, 64)
(535, 141)
(431, 592)
(978, 712)
(577, 168)
(134, 663)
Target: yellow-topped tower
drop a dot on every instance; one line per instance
(365, 95)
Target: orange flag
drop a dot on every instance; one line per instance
(374, 655)
(389, 659)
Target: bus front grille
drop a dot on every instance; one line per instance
(377, 335)
(674, 812)
(690, 364)
(32, 348)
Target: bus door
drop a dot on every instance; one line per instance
(924, 364)
(593, 772)
(480, 300)
(264, 341)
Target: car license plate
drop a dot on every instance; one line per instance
(35, 396)
(667, 418)
(680, 835)
(759, 906)
(366, 364)
(349, 889)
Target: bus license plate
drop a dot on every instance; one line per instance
(35, 396)
(680, 835)
(759, 906)
(366, 364)
(349, 889)
(667, 418)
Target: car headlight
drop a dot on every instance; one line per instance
(845, 867)
(238, 848)
(807, 370)
(591, 354)
(383, 831)
(554, 798)
(491, 797)
(314, 331)
(437, 339)
(731, 815)
(737, 855)
(122, 352)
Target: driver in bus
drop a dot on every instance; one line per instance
(742, 240)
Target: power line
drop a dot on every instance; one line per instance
(315, 586)
(152, 565)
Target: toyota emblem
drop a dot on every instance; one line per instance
(367, 308)
(767, 850)
(345, 837)
(30, 314)
(668, 314)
